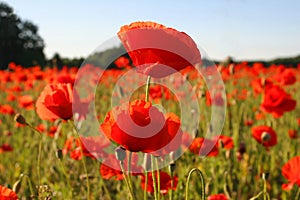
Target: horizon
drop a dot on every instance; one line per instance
(244, 30)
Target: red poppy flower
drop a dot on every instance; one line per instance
(203, 147)
(248, 122)
(112, 170)
(92, 146)
(264, 135)
(290, 171)
(260, 84)
(122, 62)
(139, 126)
(155, 92)
(7, 194)
(165, 182)
(286, 77)
(218, 99)
(225, 141)
(276, 101)
(7, 109)
(156, 50)
(56, 102)
(26, 102)
(217, 197)
(110, 167)
(293, 134)
(5, 148)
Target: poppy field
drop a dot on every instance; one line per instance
(62, 141)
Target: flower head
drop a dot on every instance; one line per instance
(264, 135)
(290, 171)
(156, 50)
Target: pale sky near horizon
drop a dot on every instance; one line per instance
(243, 29)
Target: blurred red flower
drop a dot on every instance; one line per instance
(165, 182)
(264, 135)
(139, 126)
(218, 99)
(260, 84)
(7, 194)
(111, 171)
(293, 134)
(5, 148)
(290, 171)
(217, 197)
(110, 167)
(92, 146)
(122, 62)
(7, 109)
(286, 77)
(276, 101)
(203, 147)
(156, 50)
(225, 142)
(26, 102)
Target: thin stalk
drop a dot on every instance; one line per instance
(146, 183)
(126, 181)
(257, 196)
(83, 159)
(39, 156)
(172, 184)
(153, 177)
(29, 183)
(67, 177)
(129, 166)
(102, 184)
(298, 194)
(148, 88)
(158, 179)
(266, 194)
(202, 183)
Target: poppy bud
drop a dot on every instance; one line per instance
(20, 119)
(221, 143)
(265, 175)
(59, 154)
(120, 153)
(265, 137)
(172, 167)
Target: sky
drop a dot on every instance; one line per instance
(243, 29)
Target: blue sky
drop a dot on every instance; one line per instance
(243, 29)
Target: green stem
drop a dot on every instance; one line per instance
(102, 184)
(39, 156)
(202, 183)
(129, 167)
(148, 88)
(67, 177)
(146, 183)
(298, 194)
(257, 196)
(29, 183)
(153, 177)
(126, 181)
(158, 179)
(172, 184)
(105, 189)
(83, 158)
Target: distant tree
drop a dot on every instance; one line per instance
(19, 40)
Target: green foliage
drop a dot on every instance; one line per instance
(19, 40)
